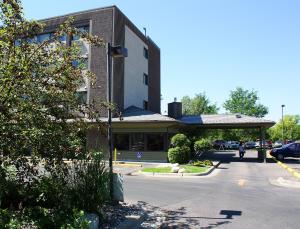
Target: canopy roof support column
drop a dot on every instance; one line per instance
(262, 152)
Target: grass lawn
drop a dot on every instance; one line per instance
(157, 170)
(188, 169)
(194, 169)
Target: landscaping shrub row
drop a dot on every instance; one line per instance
(180, 148)
(205, 163)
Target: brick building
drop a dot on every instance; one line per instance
(136, 89)
(136, 79)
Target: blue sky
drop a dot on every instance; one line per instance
(213, 46)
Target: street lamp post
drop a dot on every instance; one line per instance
(112, 52)
(282, 106)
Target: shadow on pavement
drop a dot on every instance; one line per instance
(227, 157)
(288, 161)
(157, 217)
(250, 157)
(291, 161)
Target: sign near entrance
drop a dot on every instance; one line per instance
(138, 155)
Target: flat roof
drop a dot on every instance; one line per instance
(135, 114)
(80, 12)
(226, 120)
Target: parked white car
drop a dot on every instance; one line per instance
(277, 144)
(266, 144)
(250, 145)
(233, 145)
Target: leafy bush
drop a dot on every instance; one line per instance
(199, 163)
(202, 145)
(48, 191)
(208, 163)
(89, 185)
(180, 140)
(35, 121)
(205, 163)
(180, 149)
(42, 218)
(83, 184)
(179, 154)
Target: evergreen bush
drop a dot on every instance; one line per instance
(180, 140)
(202, 145)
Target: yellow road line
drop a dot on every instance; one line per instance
(127, 165)
(292, 171)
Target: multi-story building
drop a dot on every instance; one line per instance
(141, 132)
(136, 78)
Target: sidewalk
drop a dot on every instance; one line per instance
(129, 168)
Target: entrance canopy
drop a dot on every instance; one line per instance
(149, 132)
(233, 121)
(134, 116)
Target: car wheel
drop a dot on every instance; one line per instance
(280, 157)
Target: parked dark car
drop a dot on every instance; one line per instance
(289, 150)
(218, 144)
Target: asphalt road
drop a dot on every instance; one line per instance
(236, 195)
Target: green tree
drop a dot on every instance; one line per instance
(245, 102)
(200, 104)
(179, 151)
(291, 124)
(39, 106)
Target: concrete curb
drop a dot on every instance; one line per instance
(216, 164)
(286, 167)
(132, 221)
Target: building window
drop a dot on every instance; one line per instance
(82, 63)
(155, 142)
(63, 38)
(81, 97)
(145, 79)
(137, 142)
(43, 37)
(81, 29)
(121, 141)
(145, 105)
(146, 53)
(48, 36)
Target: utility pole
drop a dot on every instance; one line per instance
(282, 106)
(112, 52)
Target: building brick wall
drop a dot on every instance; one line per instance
(154, 77)
(109, 23)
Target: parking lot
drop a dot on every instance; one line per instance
(244, 187)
